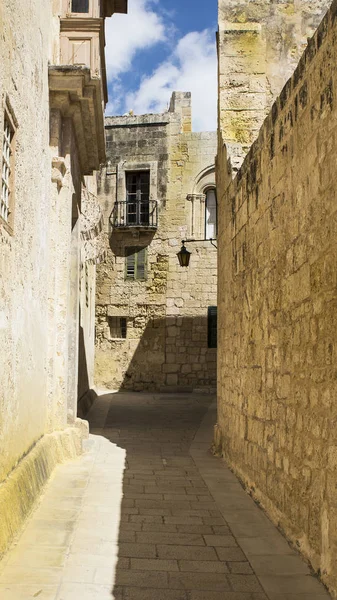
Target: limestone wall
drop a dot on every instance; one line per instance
(166, 343)
(24, 52)
(277, 308)
(41, 250)
(260, 44)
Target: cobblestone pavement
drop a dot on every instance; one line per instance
(149, 514)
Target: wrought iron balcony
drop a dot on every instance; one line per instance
(140, 215)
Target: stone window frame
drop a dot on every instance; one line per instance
(8, 117)
(204, 181)
(120, 325)
(210, 188)
(123, 167)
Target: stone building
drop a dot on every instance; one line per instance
(154, 319)
(277, 275)
(52, 93)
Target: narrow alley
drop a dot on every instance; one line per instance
(147, 513)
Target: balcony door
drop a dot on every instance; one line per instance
(137, 198)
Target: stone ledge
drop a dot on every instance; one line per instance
(78, 95)
(22, 488)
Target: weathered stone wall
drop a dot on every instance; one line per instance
(166, 343)
(260, 44)
(41, 249)
(24, 53)
(277, 308)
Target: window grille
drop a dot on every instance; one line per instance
(80, 6)
(6, 169)
(118, 327)
(212, 326)
(136, 263)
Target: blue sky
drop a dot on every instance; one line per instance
(159, 47)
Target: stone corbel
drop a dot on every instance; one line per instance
(58, 171)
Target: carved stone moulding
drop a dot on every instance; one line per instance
(79, 96)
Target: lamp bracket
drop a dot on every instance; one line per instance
(204, 240)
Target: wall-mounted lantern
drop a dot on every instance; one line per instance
(184, 254)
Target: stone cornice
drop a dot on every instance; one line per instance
(78, 96)
(82, 24)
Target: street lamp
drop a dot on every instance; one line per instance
(184, 255)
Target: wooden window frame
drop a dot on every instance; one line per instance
(135, 251)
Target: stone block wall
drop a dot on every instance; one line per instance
(277, 390)
(166, 315)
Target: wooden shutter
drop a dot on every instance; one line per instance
(141, 264)
(130, 263)
(212, 326)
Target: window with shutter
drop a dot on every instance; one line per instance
(212, 326)
(136, 263)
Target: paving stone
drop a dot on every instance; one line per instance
(186, 552)
(144, 564)
(244, 583)
(142, 579)
(220, 540)
(31, 556)
(231, 554)
(183, 539)
(202, 595)
(301, 584)
(22, 592)
(184, 520)
(200, 529)
(161, 527)
(273, 544)
(153, 594)
(240, 567)
(199, 581)
(206, 566)
(279, 565)
(86, 591)
(31, 576)
(137, 550)
(320, 596)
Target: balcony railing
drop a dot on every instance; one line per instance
(142, 215)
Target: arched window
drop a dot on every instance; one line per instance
(210, 214)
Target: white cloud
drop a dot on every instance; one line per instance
(127, 34)
(191, 68)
